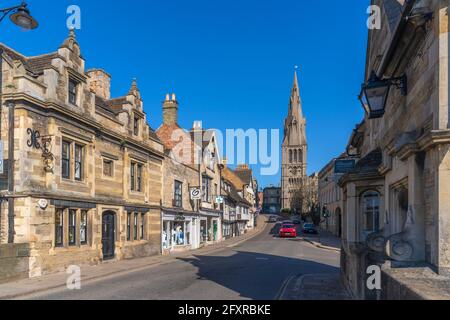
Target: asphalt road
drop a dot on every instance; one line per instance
(257, 269)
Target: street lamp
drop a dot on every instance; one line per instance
(375, 92)
(20, 16)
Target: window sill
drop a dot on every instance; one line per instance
(71, 181)
(137, 193)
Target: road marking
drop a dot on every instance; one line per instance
(283, 288)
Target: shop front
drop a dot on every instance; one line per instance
(229, 229)
(180, 231)
(210, 227)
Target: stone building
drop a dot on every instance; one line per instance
(294, 153)
(180, 214)
(207, 156)
(396, 199)
(272, 200)
(236, 199)
(82, 175)
(249, 191)
(235, 211)
(330, 195)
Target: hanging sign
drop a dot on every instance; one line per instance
(195, 193)
(219, 200)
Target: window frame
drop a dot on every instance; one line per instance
(128, 226)
(135, 226)
(133, 176)
(111, 163)
(85, 227)
(206, 189)
(65, 161)
(72, 94)
(72, 228)
(178, 196)
(136, 125)
(59, 228)
(139, 173)
(136, 176)
(142, 227)
(370, 210)
(79, 162)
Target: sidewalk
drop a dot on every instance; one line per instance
(58, 280)
(325, 240)
(315, 287)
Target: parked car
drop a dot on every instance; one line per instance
(310, 228)
(288, 231)
(273, 219)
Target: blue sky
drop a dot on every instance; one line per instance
(230, 63)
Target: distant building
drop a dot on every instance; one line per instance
(294, 151)
(330, 194)
(272, 200)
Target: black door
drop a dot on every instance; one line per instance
(108, 235)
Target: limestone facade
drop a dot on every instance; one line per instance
(396, 200)
(83, 172)
(330, 199)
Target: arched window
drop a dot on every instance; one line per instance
(370, 211)
(290, 156)
(300, 155)
(295, 156)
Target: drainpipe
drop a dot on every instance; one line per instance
(11, 232)
(1, 105)
(10, 170)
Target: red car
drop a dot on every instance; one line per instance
(288, 231)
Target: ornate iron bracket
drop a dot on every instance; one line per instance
(44, 144)
(47, 154)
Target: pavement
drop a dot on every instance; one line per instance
(256, 266)
(324, 240)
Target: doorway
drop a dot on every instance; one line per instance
(108, 235)
(339, 222)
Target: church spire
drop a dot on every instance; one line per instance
(295, 103)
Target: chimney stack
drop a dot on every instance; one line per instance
(170, 110)
(99, 82)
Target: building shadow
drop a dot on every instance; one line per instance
(254, 276)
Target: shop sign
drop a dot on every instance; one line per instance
(344, 166)
(180, 218)
(195, 193)
(219, 200)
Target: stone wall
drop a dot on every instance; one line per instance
(14, 261)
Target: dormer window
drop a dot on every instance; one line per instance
(73, 90)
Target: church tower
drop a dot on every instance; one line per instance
(294, 153)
